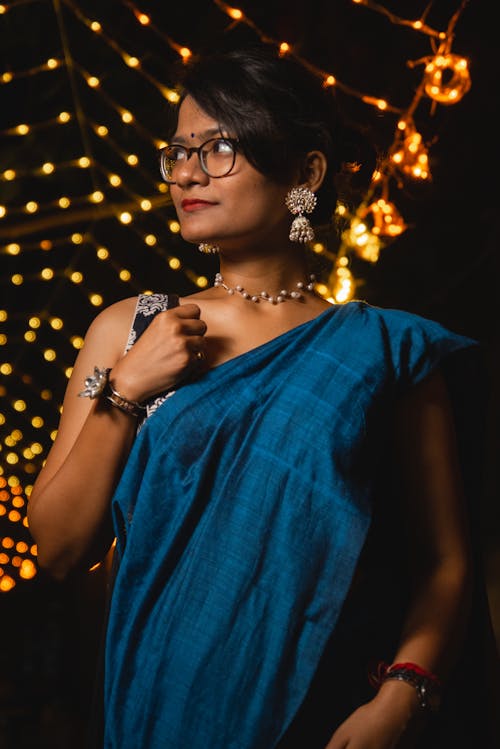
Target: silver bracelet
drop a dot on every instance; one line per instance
(133, 408)
(98, 385)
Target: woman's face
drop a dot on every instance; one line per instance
(244, 208)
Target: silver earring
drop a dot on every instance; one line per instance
(208, 248)
(300, 200)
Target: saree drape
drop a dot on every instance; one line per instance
(240, 518)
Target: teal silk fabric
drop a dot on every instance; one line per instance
(240, 517)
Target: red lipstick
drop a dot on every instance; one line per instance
(195, 205)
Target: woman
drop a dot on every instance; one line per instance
(242, 508)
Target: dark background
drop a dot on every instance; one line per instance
(445, 266)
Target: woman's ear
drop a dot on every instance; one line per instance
(315, 167)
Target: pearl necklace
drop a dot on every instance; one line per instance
(281, 297)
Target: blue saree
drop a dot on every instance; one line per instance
(240, 518)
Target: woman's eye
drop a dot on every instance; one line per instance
(176, 153)
(222, 146)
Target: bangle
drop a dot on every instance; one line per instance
(426, 684)
(124, 404)
(98, 385)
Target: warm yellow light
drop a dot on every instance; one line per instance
(9, 175)
(3, 211)
(52, 63)
(102, 253)
(17, 279)
(22, 129)
(171, 95)
(76, 276)
(13, 248)
(125, 217)
(12, 458)
(146, 204)
(150, 240)
(84, 162)
(174, 227)
(77, 341)
(125, 275)
(37, 422)
(46, 395)
(6, 583)
(127, 117)
(132, 159)
(3, 315)
(3, 9)
(93, 81)
(53, 434)
(132, 62)
(284, 48)
(185, 53)
(174, 263)
(330, 80)
(37, 448)
(27, 570)
(64, 117)
(34, 322)
(48, 168)
(115, 180)
(31, 206)
(3, 339)
(97, 196)
(77, 238)
(64, 202)
(162, 187)
(318, 248)
(68, 372)
(49, 354)
(202, 282)
(56, 323)
(19, 405)
(96, 300)
(143, 18)
(7, 77)
(102, 130)
(235, 13)
(96, 26)
(47, 274)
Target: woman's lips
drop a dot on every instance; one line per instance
(195, 205)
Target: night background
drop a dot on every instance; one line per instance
(85, 221)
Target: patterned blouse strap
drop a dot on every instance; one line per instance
(148, 305)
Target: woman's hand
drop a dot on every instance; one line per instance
(392, 720)
(167, 352)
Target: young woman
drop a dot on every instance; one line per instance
(262, 564)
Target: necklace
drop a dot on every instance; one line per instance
(297, 293)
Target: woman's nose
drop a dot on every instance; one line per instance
(189, 170)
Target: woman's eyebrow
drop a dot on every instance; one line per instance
(181, 139)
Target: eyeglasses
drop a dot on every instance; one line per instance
(217, 157)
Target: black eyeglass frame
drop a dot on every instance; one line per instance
(233, 142)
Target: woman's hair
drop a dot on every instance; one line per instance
(278, 110)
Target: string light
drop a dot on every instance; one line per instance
(445, 80)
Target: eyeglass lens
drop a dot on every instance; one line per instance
(216, 156)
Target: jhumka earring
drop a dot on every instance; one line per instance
(300, 200)
(208, 248)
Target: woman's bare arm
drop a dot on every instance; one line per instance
(435, 537)
(69, 508)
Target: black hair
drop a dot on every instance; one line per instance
(277, 108)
